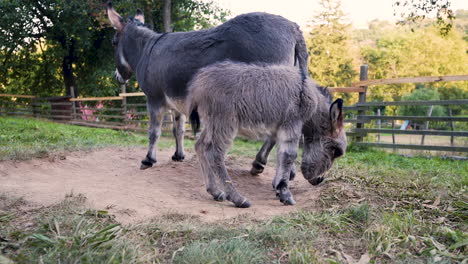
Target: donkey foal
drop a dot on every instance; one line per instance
(273, 101)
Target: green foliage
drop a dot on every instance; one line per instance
(25, 138)
(330, 61)
(422, 94)
(46, 47)
(413, 11)
(424, 52)
(232, 251)
(66, 233)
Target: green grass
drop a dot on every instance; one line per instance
(26, 138)
(412, 210)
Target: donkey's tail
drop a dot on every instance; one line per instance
(300, 54)
(194, 119)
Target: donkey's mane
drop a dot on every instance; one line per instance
(325, 92)
(141, 28)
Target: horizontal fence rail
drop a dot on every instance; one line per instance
(366, 118)
(424, 79)
(411, 146)
(127, 111)
(412, 132)
(412, 103)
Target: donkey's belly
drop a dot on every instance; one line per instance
(260, 132)
(179, 105)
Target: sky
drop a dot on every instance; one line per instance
(359, 12)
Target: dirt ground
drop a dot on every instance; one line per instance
(111, 179)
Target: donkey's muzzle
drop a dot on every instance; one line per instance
(119, 77)
(316, 180)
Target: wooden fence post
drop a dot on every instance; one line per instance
(123, 88)
(72, 93)
(362, 99)
(451, 127)
(379, 125)
(426, 126)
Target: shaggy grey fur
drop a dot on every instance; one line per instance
(165, 63)
(271, 101)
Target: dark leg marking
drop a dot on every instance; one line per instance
(257, 168)
(148, 162)
(285, 196)
(258, 165)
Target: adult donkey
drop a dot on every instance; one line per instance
(165, 63)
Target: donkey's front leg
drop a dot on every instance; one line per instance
(258, 165)
(288, 143)
(154, 131)
(178, 131)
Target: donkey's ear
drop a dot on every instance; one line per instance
(336, 115)
(139, 15)
(115, 19)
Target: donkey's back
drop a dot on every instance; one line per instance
(250, 38)
(254, 98)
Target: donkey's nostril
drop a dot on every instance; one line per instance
(316, 180)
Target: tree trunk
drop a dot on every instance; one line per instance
(148, 15)
(167, 16)
(67, 70)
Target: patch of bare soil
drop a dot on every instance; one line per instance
(110, 178)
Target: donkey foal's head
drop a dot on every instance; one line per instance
(324, 141)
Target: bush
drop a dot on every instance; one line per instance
(421, 94)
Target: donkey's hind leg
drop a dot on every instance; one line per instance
(258, 165)
(215, 157)
(156, 114)
(214, 148)
(178, 131)
(208, 174)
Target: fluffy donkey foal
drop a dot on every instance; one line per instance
(273, 101)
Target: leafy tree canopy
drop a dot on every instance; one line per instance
(402, 53)
(421, 94)
(48, 46)
(330, 60)
(415, 11)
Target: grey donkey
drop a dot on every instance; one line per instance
(273, 101)
(165, 63)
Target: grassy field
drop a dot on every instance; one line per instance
(413, 210)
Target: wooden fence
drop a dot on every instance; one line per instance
(128, 111)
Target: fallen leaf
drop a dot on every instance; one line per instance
(365, 259)
(437, 201)
(429, 206)
(348, 258)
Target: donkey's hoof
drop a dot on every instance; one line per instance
(244, 204)
(257, 168)
(178, 157)
(316, 180)
(145, 165)
(220, 197)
